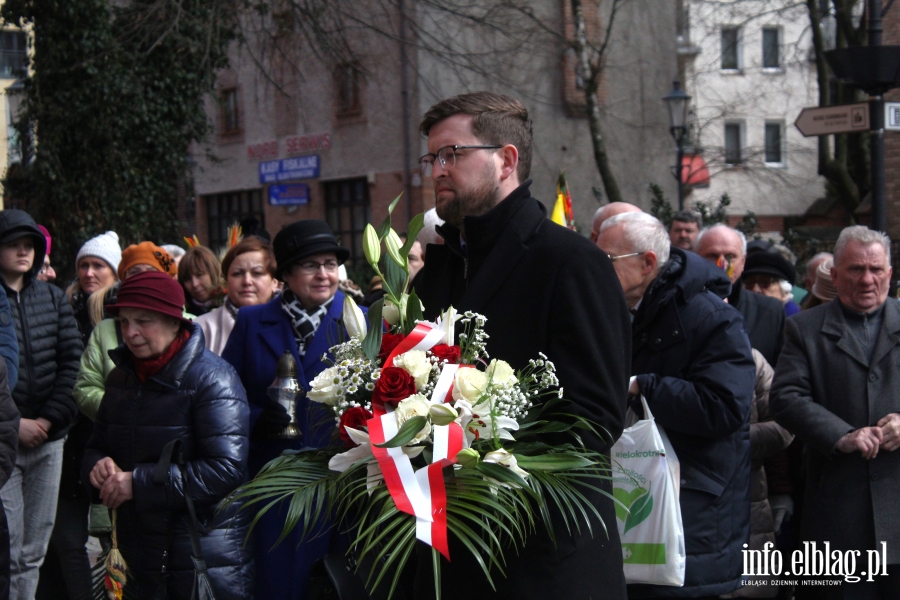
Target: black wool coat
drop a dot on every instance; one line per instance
(824, 387)
(545, 289)
(694, 365)
(198, 398)
(764, 319)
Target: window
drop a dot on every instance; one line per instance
(224, 210)
(347, 211)
(347, 89)
(732, 143)
(230, 115)
(771, 48)
(774, 142)
(731, 55)
(13, 54)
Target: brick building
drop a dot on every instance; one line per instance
(301, 135)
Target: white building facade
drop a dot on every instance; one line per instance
(747, 66)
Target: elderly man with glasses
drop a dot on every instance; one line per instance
(691, 360)
(542, 288)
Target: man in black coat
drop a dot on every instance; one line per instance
(837, 388)
(9, 446)
(543, 289)
(763, 316)
(692, 362)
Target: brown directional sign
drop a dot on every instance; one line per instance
(827, 120)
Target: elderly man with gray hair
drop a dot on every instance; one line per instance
(837, 387)
(692, 362)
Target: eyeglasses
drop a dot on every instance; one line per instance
(312, 267)
(615, 258)
(447, 157)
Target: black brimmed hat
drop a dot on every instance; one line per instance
(303, 239)
(770, 263)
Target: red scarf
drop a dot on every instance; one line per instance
(148, 367)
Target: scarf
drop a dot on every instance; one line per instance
(231, 308)
(145, 368)
(303, 322)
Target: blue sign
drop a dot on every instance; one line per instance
(289, 169)
(284, 195)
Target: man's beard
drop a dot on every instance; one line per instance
(471, 203)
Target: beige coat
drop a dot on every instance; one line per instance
(216, 326)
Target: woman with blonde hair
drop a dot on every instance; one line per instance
(97, 263)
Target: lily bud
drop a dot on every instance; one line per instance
(390, 313)
(442, 414)
(468, 457)
(371, 245)
(354, 319)
(393, 244)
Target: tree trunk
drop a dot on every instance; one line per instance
(591, 83)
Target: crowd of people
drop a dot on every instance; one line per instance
(781, 401)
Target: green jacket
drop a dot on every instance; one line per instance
(95, 366)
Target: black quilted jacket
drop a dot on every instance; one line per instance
(198, 398)
(49, 343)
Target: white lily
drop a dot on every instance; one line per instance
(505, 459)
(448, 320)
(343, 461)
(354, 320)
(477, 422)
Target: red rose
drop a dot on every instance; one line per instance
(444, 352)
(356, 418)
(389, 341)
(393, 385)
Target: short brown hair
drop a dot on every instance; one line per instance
(197, 261)
(250, 244)
(498, 120)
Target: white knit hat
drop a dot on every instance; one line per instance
(105, 246)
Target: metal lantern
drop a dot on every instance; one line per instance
(286, 391)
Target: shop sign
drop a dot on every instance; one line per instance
(286, 195)
(289, 169)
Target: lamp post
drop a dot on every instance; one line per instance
(677, 103)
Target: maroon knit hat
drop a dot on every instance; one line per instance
(151, 290)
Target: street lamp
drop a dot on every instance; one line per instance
(677, 103)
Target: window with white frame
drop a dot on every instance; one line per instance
(774, 142)
(733, 143)
(731, 48)
(771, 48)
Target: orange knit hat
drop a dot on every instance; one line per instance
(147, 253)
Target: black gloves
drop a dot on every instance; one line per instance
(272, 421)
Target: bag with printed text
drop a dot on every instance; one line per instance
(646, 488)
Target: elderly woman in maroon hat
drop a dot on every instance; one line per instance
(305, 321)
(167, 386)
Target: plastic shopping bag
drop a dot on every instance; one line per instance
(646, 485)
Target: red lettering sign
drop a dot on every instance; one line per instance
(263, 150)
(300, 144)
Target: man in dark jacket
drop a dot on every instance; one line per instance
(763, 316)
(49, 353)
(692, 362)
(837, 388)
(543, 289)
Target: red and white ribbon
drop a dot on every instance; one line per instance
(419, 493)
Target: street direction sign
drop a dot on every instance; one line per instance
(828, 120)
(892, 116)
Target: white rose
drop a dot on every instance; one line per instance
(469, 385)
(325, 386)
(416, 405)
(416, 364)
(501, 373)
